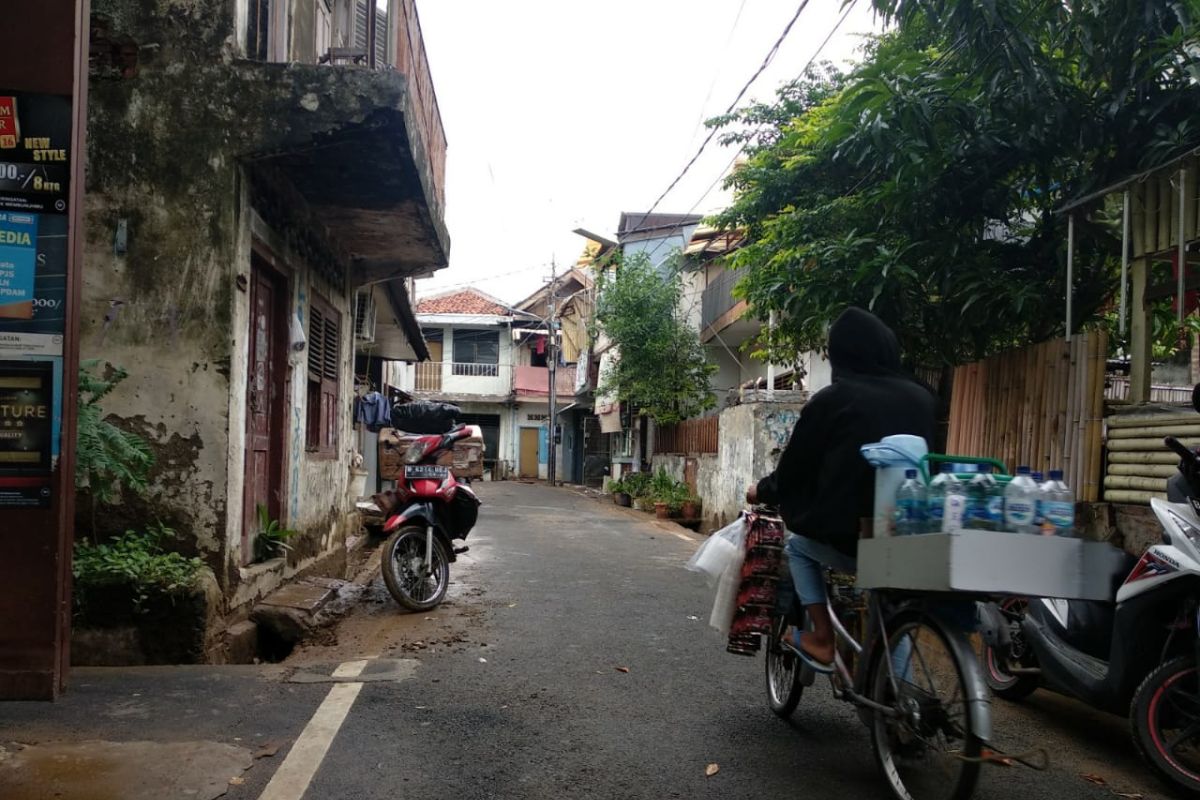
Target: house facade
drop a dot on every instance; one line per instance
(492, 361)
(265, 177)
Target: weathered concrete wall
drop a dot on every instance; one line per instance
(708, 480)
(164, 164)
(752, 437)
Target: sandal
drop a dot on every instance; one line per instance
(793, 643)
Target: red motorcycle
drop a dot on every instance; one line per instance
(437, 509)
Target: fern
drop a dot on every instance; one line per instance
(107, 458)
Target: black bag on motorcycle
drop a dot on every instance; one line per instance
(425, 416)
(461, 514)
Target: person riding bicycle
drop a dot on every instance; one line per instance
(823, 486)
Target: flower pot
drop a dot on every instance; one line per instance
(662, 511)
(622, 499)
(691, 510)
(639, 504)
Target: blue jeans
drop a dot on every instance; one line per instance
(807, 559)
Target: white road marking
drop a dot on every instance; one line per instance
(294, 775)
(350, 669)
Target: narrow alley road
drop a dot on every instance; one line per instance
(573, 659)
(531, 697)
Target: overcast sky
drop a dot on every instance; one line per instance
(563, 113)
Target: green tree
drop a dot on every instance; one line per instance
(923, 183)
(659, 365)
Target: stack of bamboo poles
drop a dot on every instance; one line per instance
(1041, 406)
(1138, 462)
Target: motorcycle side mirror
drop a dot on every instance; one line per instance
(1196, 397)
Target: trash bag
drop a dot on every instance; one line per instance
(718, 550)
(425, 416)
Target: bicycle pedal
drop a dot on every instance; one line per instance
(458, 551)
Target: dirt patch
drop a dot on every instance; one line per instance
(379, 627)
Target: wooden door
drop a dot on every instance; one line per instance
(264, 402)
(429, 373)
(528, 465)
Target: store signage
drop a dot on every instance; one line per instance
(35, 136)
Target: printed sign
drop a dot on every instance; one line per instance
(18, 257)
(27, 411)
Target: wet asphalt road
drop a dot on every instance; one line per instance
(532, 704)
(515, 688)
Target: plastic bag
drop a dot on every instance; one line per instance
(425, 417)
(718, 550)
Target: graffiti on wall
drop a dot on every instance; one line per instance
(778, 426)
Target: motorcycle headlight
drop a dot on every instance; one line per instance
(414, 453)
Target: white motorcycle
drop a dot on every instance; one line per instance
(1134, 655)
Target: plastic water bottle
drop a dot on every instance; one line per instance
(1059, 506)
(985, 501)
(944, 502)
(910, 505)
(1020, 497)
(1039, 501)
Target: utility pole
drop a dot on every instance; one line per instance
(552, 361)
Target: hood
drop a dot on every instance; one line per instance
(860, 344)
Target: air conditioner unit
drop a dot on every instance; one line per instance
(364, 316)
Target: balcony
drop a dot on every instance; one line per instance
(454, 380)
(534, 382)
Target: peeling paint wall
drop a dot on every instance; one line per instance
(165, 151)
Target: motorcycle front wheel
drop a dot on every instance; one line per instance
(416, 585)
(1165, 722)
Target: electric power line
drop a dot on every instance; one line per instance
(740, 150)
(745, 88)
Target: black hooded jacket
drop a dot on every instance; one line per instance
(823, 485)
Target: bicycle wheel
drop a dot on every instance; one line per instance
(784, 688)
(927, 751)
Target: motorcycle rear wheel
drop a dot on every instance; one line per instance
(1164, 718)
(996, 663)
(415, 585)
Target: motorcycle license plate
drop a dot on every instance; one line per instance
(426, 471)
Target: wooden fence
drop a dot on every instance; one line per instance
(1042, 406)
(690, 437)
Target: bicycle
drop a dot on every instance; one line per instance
(922, 694)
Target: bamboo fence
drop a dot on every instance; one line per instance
(1041, 406)
(1138, 462)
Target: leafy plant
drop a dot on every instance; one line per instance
(638, 484)
(617, 487)
(135, 559)
(659, 366)
(107, 458)
(271, 539)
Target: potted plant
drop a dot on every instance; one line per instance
(690, 506)
(637, 484)
(620, 493)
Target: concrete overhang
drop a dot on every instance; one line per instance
(349, 141)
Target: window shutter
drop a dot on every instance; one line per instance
(316, 341)
(381, 37)
(361, 9)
